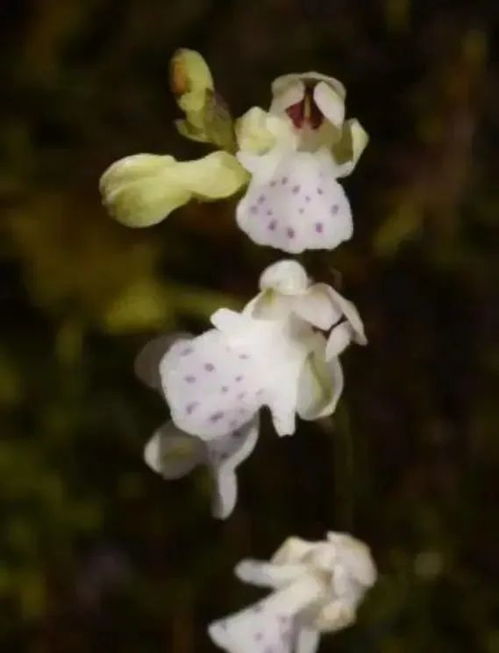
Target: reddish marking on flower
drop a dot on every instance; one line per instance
(190, 378)
(320, 191)
(209, 367)
(272, 225)
(239, 378)
(319, 227)
(284, 181)
(190, 408)
(295, 189)
(334, 209)
(224, 389)
(306, 111)
(290, 232)
(261, 199)
(216, 417)
(186, 351)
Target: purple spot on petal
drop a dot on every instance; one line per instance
(320, 191)
(189, 409)
(236, 434)
(261, 199)
(241, 395)
(284, 181)
(273, 183)
(302, 210)
(295, 189)
(209, 367)
(258, 637)
(224, 389)
(272, 225)
(243, 357)
(290, 232)
(270, 212)
(307, 198)
(190, 378)
(334, 209)
(216, 417)
(186, 351)
(254, 209)
(239, 378)
(259, 392)
(319, 227)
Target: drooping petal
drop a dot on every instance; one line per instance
(268, 625)
(294, 203)
(316, 307)
(142, 189)
(211, 388)
(172, 453)
(147, 361)
(321, 384)
(224, 455)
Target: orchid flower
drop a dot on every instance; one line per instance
(269, 354)
(316, 588)
(291, 156)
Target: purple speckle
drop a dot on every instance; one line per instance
(320, 191)
(270, 212)
(239, 378)
(284, 181)
(307, 198)
(290, 232)
(319, 227)
(216, 417)
(272, 225)
(241, 395)
(190, 408)
(243, 357)
(302, 210)
(258, 637)
(295, 189)
(224, 389)
(236, 434)
(190, 378)
(254, 209)
(273, 183)
(261, 199)
(209, 367)
(186, 351)
(334, 209)
(259, 393)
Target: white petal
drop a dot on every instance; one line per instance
(225, 454)
(307, 641)
(212, 389)
(268, 625)
(172, 453)
(351, 314)
(286, 91)
(330, 103)
(296, 204)
(321, 384)
(267, 574)
(147, 362)
(316, 307)
(287, 276)
(339, 339)
(292, 550)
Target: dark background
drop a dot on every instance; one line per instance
(97, 552)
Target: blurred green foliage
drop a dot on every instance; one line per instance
(97, 553)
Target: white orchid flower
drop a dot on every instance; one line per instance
(270, 354)
(295, 153)
(291, 156)
(172, 453)
(317, 588)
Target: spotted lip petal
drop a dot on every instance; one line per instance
(295, 203)
(211, 388)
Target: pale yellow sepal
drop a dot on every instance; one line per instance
(143, 189)
(353, 141)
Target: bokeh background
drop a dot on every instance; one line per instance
(97, 552)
